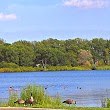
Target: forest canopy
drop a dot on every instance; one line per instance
(53, 52)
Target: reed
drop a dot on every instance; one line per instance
(43, 100)
(49, 68)
(39, 95)
(66, 68)
(103, 68)
(12, 98)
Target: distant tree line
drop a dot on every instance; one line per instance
(53, 52)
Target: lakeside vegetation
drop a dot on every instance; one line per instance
(34, 69)
(51, 68)
(42, 99)
(53, 54)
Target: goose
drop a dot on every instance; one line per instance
(30, 101)
(20, 101)
(69, 101)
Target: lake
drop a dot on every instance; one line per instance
(88, 88)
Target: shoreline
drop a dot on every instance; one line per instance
(22, 108)
(54, 68)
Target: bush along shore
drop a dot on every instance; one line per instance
(33, 69)
(51, 68)
(35, 96)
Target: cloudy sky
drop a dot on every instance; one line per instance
(36, 20)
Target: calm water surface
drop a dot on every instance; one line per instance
(88, 88)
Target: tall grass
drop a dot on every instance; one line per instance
(108, 103)
(40, 97)
(12, 98)
(66, 68)
(43, 100)
(103, 68)
(50, 68)
(21, 69)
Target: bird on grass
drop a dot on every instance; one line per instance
(20, 101)
(30, 101)
(69, 101)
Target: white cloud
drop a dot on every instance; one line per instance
(7, 17)
(87, 3)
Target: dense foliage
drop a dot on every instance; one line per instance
(53, 52)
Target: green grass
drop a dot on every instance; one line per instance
(52, 68)
(86, 108)
(43, 100)
(103, 68)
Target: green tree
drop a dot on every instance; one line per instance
(25, 53)
(97, 49)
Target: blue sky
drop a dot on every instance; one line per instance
(36, 20)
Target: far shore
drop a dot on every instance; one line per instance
(52, 68)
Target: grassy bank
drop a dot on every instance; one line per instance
(50, 68)
(103, 68)
(87, 108)
(42, 99)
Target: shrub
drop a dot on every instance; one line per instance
(108, 103)
(8, 65)
(12, 98)
(40, 96)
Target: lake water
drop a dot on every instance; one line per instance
(88, 88)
